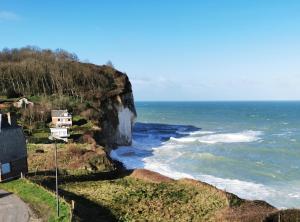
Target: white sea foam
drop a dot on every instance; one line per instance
(244, 189)
(184, 139)
(242, 137)
(198, 132)
(164, 169)
(170, 157)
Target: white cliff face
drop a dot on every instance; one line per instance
(126, 122)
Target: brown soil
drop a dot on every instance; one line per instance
(247, 211)
(150, 176)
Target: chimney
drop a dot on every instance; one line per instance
(8, 118)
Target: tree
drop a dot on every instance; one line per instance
(110, 64)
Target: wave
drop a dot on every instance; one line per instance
(244, 189)
(198, 132)
(184, 139)
(178, 152)
(242, 137)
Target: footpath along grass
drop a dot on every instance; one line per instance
(41, 201)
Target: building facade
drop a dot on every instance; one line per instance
(61, 118)
(13, 151)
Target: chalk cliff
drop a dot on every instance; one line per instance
(118, 115)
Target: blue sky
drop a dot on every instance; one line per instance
(172, 49)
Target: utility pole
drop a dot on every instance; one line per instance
(56, 179)
(56, 137)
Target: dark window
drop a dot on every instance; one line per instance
(58, 119)
(5, 168)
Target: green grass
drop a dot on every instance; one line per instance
(77, 118)
(135, 200)
(41, 201)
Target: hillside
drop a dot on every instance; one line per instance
(32, 71)
(100, 95)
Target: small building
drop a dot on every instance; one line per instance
(61, 133)
(23, 103)
(4, 105)
(61, 118)
(13, 152)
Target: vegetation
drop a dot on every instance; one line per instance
(58, 80)
(32, 71)
(130, 199)
(148, 196)
(41, 201)
(74, 158)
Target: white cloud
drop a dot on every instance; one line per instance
(8, 16)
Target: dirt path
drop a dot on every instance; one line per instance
(12, 208)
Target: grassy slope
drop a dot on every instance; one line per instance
(42, 202)
(109, 194)
(131, 199)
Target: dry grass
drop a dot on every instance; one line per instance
(247, 211)
(131, 199)
(72, 158)
(289, 215)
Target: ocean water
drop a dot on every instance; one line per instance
(251, 149)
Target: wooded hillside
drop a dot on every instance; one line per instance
(33, 71)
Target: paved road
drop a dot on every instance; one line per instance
(12, 208)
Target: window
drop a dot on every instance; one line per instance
(69, 120)
(5, 168)
(58, 119)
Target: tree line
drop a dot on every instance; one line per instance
(32, 71)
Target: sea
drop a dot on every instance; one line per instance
(251, 149)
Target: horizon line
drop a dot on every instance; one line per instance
(217, 100)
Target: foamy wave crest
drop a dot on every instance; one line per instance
(244, 189)
(164, 169)
(243, 137)
(198, 132)
(184, 139)
(201, 132)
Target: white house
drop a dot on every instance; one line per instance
(23, 102)
(61, 133)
